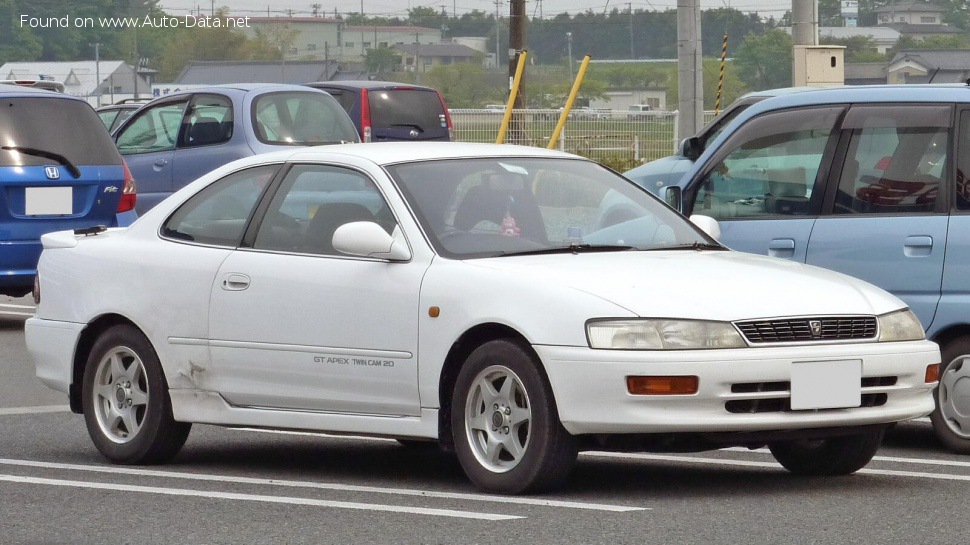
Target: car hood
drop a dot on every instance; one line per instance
(711, 285)
(661, 172)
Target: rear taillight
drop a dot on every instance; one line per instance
(365, 129)
(128, 193)
(444, 107)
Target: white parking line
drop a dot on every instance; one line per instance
(35, 410)
(324, 486)
(775, 465)
(11, 305)
(260, 498)
(9, 313)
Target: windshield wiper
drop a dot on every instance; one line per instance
(46, 155)
(574, 249)
(691, 246)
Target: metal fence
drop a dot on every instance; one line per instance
(597, 134)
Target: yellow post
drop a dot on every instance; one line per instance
(569, 103)
(504, 127)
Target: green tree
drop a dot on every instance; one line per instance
(464, 85)
(765, 61)
(381, 59)
(857, 48)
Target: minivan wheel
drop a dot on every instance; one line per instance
(506, 428)
(833, 456)
(125, 400)
(951, 417)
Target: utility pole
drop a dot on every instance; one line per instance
(517, 21)
(498, 26)
(690, 75)
(569, 52)
(97, 69)
(630, 5)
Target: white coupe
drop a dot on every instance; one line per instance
(469, 294)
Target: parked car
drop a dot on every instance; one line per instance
(462, 293)
(174, 139)
(113, 115)
(668, 170)
(385, 111)
(59, 170)
(639, 111)
(869, 181)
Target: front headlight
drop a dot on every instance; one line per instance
(901, 325)
(660, 334)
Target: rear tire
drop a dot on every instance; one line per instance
(125, 400)
(834, 456)
(505, 423)
(951, 417)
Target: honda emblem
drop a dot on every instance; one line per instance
(52, 173)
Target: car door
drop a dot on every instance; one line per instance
(763, 185)
(206, 140)
(295, 324)
(147, 142)
(885, 220)
(956, 282)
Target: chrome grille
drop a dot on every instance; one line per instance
(808, 329)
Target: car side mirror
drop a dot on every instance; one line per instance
(673, 195)
(367, 239)
(707, 224)
(691, 148)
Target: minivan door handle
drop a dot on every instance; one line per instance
(235, 282)
(782, 247)
(918, 246)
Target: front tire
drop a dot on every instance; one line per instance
(125, 400)
(833, 456)
(505, 423)
(951, 417)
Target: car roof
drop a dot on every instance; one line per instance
(368, 84)
(389, 153)
(13, 90)
(940, 93)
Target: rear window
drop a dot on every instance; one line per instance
(301, 119)
(51, 125)
(405, 107)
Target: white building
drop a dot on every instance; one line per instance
(100, 82)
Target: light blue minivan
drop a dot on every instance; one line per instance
(871, 181)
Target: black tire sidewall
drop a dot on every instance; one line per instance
(949, 352)
(840, 455)
(158, 434)
(551, 450)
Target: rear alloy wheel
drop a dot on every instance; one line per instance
(125, 400)
(833, 456)
(505, 423)
(951, 418)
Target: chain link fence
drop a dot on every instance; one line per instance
(609, 136)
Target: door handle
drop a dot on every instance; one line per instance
(159, 164)
(918, 246)
(782, 247)
(235, 282)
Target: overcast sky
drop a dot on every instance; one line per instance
(399, 8)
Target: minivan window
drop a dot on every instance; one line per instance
(301, 119)
(895, 161)
(33, 123)
(405, 108)
(963, 163)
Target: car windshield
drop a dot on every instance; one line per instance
(486, 207)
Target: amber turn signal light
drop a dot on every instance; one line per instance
(660, 386)
(933, 373)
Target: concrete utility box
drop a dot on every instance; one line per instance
(818, 65)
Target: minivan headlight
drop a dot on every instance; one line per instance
(662, 334)
(901, 325)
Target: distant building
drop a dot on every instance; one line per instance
(219, 72)
(884, 37)
(421, 57)
(81, 78)
(929, 66)
(917, 20)
(865, 73)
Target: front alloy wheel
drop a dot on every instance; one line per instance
(498, 419)
(951, 418)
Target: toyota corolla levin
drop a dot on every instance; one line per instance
(464, 293)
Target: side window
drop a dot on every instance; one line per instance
(301, 119)
(768, 167)
(312, 202)
(218, 214)
(347, 99)
(895, 161)
(963, 163)
(209, 121)
(155, 129)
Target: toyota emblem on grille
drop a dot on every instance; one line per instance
(52, 173)
(816, 327)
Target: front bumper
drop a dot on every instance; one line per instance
(591, 393)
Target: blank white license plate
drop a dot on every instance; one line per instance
(826, 384)
(46, 201)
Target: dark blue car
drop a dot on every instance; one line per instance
(59, 170)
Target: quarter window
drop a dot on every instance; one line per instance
(301, 119)
(218, 214)
(769, 168)
(963, 163)
(896, 159)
